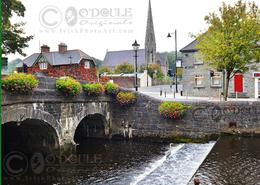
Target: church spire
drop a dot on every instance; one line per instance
(150, 43)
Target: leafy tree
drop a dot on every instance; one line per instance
(155, 71)
(230, 43)
(124, 68)
(14, 39)
(104, 69)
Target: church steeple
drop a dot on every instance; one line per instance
(150, 43)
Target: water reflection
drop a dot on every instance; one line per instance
(233, 161)
(94, 161)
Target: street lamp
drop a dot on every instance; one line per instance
(135, 47)
(169, 36)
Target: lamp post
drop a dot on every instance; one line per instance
(169, 36)
(135, 47)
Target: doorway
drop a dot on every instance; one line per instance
(238, 83)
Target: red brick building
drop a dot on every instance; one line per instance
(74, 63)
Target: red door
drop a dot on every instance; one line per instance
(238, 81)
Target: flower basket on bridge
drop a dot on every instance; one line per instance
(93, 89)
(20, 83)
(68, 86)
(111, 89)
(126, 98)
(173, 110)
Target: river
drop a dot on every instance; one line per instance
(229, 161)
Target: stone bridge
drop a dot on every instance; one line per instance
(57, 119)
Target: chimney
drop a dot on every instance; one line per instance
(45, 49)
(62, 48)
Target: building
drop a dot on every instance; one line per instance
(202, 81)
(146, 56)
(128, 80)
(74, 63)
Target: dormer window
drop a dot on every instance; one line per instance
(87, 64)
(43, 65)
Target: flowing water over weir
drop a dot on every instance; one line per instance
(141, 163)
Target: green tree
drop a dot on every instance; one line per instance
(230, 43)
(104, 69)
(124, 68)
(13, 35)
(155, 71)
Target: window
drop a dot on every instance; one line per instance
(87, 64)
(43, 65)
(197, 61)
(199, 80)
(216, 80)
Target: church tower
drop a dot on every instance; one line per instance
(150, 44)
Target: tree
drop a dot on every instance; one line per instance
(13, 35)
(104, 69)
(155, 71)
(124, 68)
(230, 43)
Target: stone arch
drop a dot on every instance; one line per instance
(19, 114)
(92, 126)
(30, 135)
(86, 109)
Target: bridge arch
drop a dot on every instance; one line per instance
(92, 126)
(30, 135)
(20, 115)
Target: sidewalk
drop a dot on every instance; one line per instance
(169, 96)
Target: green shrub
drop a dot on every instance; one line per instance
(111, 88)
(125, 98)
(20, 83)
(173, 110)
(93, 89)
(68, 86)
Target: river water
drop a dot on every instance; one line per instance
(138, 163)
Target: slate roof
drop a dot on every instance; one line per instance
(114, 58)
(55, 58)
(163, 58)
(191, 47)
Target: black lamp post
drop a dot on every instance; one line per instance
(169, 36)
(135, 47)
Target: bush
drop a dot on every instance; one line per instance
(124, 68)
(104, 69)
(173, 110)
(93, 89)
(68, 86)
(125, 98)
(20, 83)
(111, 88)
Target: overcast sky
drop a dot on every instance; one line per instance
(95, 26)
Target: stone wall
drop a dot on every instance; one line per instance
(188, 79)
(205, 118)
(65, 113)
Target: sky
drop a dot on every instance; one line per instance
(97, 26)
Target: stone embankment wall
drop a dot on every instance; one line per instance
(204, 119)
